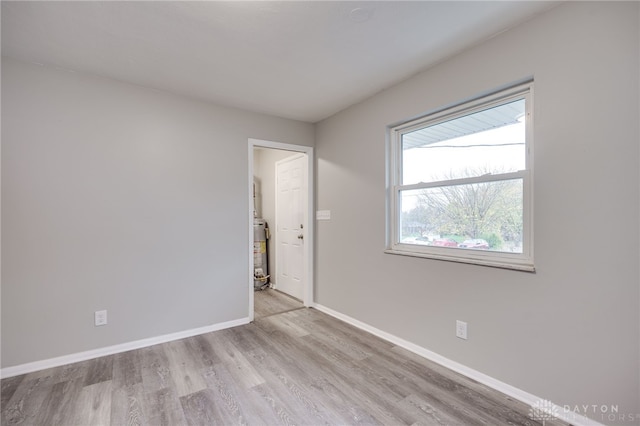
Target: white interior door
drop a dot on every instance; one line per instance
(291, 209)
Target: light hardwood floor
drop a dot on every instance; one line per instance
(298, 367)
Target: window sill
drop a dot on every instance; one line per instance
(494, 263)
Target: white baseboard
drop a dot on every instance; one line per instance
(529, 399)
(110, 350)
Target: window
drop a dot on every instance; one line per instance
(460, 183)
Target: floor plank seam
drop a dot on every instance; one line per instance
(278, 313)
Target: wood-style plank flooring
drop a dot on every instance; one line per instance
(298, 367)
(270, 302)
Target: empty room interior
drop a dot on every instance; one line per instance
(318, 212)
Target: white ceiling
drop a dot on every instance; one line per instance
(304, 60)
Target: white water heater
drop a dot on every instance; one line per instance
(260, 255)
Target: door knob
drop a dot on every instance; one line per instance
(300, 237)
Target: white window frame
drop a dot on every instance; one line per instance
(518, 261)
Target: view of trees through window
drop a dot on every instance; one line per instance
(469, 194)
(485, 215)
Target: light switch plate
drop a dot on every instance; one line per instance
(323, 215)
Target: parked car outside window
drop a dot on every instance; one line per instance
(445, 242)
(474, 244)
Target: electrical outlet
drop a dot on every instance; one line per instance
(100, 318)
(461, 329)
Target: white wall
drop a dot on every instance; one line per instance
(568, 333)
(121, 198)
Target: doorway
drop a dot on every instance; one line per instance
(281, 193)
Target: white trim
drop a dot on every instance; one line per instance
(110, 350)
(529, 399)
(413, 252)
(308, 300)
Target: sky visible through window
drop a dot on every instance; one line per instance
(499, 150)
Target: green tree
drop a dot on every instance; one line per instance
(473, 210)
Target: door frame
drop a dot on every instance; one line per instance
(308, 299)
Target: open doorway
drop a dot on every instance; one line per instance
(281, 227)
